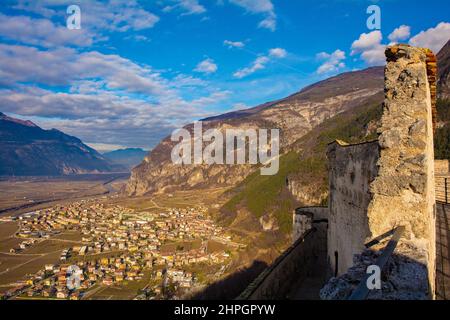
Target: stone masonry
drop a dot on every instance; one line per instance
(375, 187)
(352, 169)
(378, 186)
(403, 192)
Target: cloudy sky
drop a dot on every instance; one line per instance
(136, 70)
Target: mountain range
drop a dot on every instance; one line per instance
(28, 150)
(295, 116)
(347, 107)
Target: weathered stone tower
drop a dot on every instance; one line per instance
(381, 209)
(376, 187)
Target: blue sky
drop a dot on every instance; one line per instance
(139, 69)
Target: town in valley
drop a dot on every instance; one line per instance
(117, 252)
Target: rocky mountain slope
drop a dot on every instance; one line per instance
(295, 116)
(260, 208)
(267, 203)
(303, 179)
(28, 150)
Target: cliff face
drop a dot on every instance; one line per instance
(295, 116)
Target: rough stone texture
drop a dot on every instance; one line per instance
(303, 219)
(302, 222)
(403, 278)
(352, 169)
(306, 193)
(379, 186)
(403, 191)
(432, 73)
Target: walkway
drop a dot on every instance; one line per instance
(442, 251)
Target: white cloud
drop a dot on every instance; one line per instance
(188, 7)
(234, 44)
(106, 116)
(367, 41)
(278, 53)
(206, 66)
(105, 147)
(255, 6)
(264, 7)
(258, 64)
(18, 64)
(42, 32)
(269, 23)
(183, 81)
(138, 38)
(401, 33)
(101, 98)
(370, 47)
(433, 38)
(333, 62)
(98, 16)
(261, 62)
(101, 90)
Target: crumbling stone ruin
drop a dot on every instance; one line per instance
(403, 278)
(375, 188)
(380, 185)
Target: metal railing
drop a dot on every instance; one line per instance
(362, 291)
(442, 189)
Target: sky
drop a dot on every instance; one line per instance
(137, 70)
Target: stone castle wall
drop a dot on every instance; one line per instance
(374, 188)
(352, 169)
(292, 267)
(304, 219)
(404, 190)
(379, 186)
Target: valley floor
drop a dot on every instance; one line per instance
(28, 195)
(24, 194)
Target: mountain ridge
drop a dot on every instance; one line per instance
(28, 150)
(294, 115)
